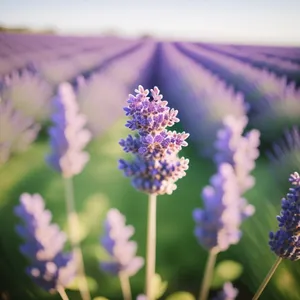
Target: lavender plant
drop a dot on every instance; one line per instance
(228, 292)
(238, 150)
(67, 139)
(124, 262)
(156, 166)
(50, 268)
(285, 242)
(217, 225)
(17, 131)
(28, 93)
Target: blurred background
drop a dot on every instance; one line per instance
(209, 59)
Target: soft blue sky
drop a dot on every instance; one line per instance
(259, 21)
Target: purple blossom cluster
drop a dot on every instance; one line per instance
(156, 166)
(238, 150)
(17, 131)
(286, 241)
(229, 292)
(116, 243)
(50, 268)
(67, 135)
(218, 223)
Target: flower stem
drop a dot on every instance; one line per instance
(125, 286)
(267, 278)
(73, 224)
(209, 270)
(62, 293)
(151, 244)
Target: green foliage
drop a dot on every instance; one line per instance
(227, 270)
(158, 286)
(92, 284)
(181, 296)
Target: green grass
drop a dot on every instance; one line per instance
(180, 260)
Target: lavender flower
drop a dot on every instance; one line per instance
(285, 242)
(238, 150)
(28, 93)
(17, 131)
(50, 268)
(217, 225)
(228, 292)
(116, 243)
(68, 138)
(156, 166)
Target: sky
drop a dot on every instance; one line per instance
(242, 21)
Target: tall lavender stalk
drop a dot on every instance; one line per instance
(50, 269)
(285, 243)
(156, 165)
(217, 225)
(116, 242)
(68, 138)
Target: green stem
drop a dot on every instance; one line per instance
(125, 286)
(208, 274)
(73, 224)
(62, 293)
(151, 244)
(267, 278)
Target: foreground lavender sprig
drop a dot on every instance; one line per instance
(285, 243)
(67, 135)
(156, 166)
(51, 269)
(229, 292)
(218, 223)
(17, 131)
(116, 242)
(238, 150)
(68, 138)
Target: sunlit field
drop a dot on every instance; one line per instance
(205, 83)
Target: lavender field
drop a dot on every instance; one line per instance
(206, 83)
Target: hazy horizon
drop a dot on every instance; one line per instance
(259, 22)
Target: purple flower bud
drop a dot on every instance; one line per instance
(228, 292)
(156, 165)
(67, 136)
(286, 241)
(218, 224)
(238, 150)
(50, 268)
(116, 243)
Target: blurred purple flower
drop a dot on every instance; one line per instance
(286, 241)
(116, 243)
(17, 131)
(67, 136)
(156, 166)
(28, 93)
(285, 154)
(238, 150)
(228, 292)
(50, 268)
(218, 224)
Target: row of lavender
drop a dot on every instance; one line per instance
(206, 77)
(26, 97)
